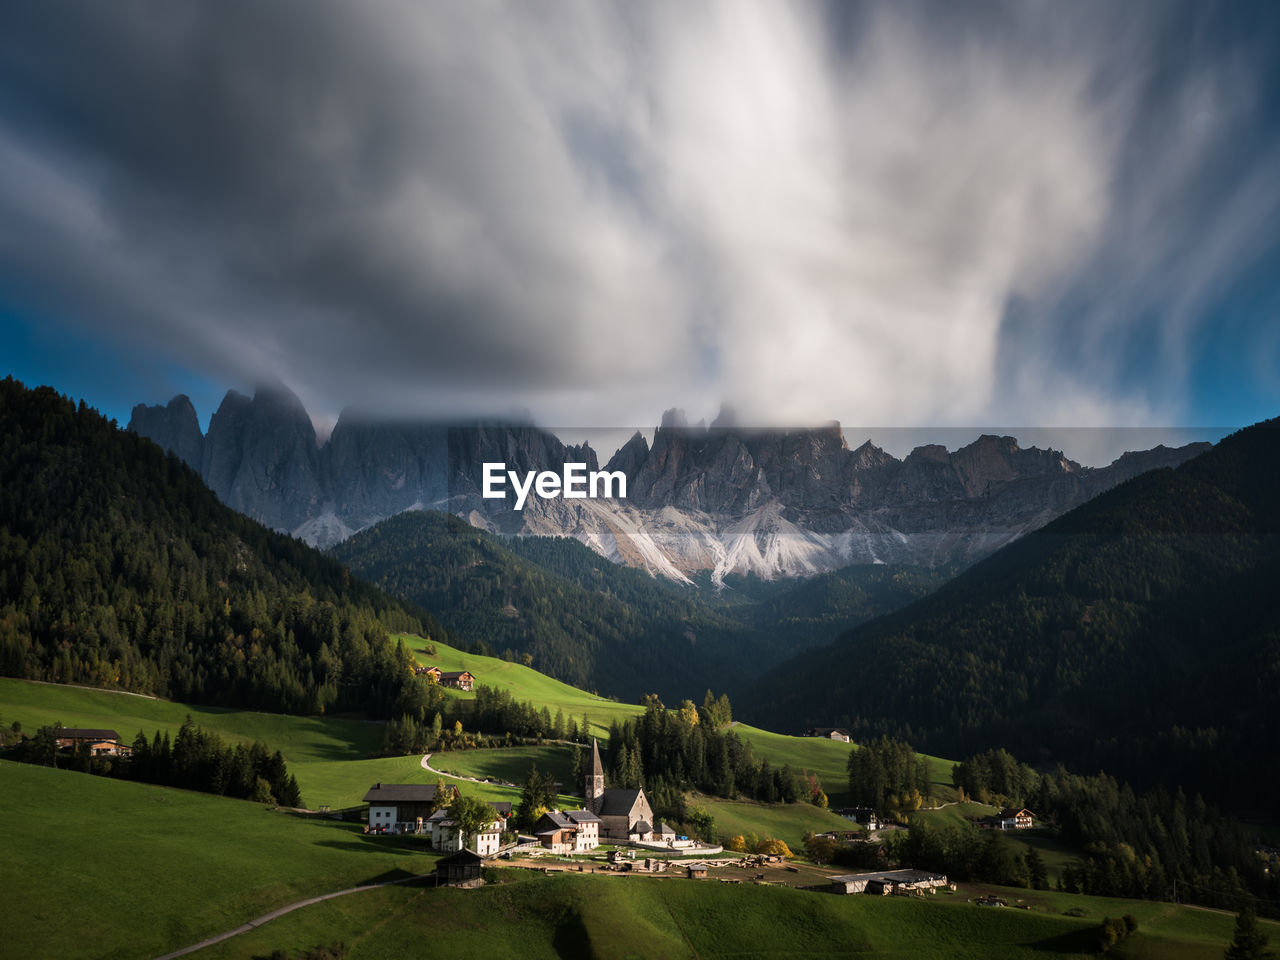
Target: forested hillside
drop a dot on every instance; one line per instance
(1139, 633)
(575, 615)
(119, 568)
(599, 625)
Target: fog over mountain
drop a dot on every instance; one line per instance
(724, 498)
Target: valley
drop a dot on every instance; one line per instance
(467, 658)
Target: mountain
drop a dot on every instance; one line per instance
(722, 499)
(173, 427)
(575, 615)
(600, 625)
(119, 568)
(1139, 633)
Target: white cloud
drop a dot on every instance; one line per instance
(594, 212)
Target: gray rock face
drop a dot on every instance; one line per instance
(173, 427)
(722, 498)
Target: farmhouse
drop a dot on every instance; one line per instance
(1016, 818)
(400, 807)
(446, 836)
(431, 673)
(101, 743)
(863, 815)
(890, 881)
(461, 679)
(830, 733)
(624, 814)
(571, 831)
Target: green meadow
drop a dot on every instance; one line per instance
(300, 739)
(511, 764)
(786, 821)
(111, 869)
(827, 759)
(524, 683)
(531, 916)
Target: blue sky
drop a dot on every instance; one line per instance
(904, 214)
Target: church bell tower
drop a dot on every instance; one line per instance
(593, 790)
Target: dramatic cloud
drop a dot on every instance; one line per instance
(893, 213)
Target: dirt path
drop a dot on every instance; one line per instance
(453, 776)
(267, 917)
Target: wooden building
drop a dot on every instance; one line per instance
(461, 869)
(100, 742)
(400, 807)
(886, 882)
(830, 733)
(460, 679)
(1016, 818)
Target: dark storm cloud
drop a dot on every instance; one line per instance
(886, 212)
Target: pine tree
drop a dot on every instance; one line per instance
(1250, 943)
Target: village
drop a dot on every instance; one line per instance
(618, 822)
(621, 825)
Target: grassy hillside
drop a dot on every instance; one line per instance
(580, 617)
(524, 683)
(300, 739)
(598, 917)
(603, 626)
(827, 758)
(110, 869)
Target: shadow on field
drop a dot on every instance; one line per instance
(572, 942)
(387, 876)
(1075, 942)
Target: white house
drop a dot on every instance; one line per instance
(573, 831)
(447, 838)
(400, 807)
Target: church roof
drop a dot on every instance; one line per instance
(619, 803)
(597, 768)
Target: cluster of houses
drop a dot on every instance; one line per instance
(411, 808)
(886, 882)
(458, 679)
(100, 743)
(607, 814)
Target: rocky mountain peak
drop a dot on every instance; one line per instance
(174, 427)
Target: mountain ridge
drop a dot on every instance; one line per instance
(725, 498)
(1138, 632)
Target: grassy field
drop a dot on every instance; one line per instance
(607, 917)
(300, 739)
(827, 758)
(786, 821)
(511, 764)
(525, 683)
(111, 869)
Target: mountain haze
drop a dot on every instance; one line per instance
(721, 499)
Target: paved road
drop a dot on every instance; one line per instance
(267, 917)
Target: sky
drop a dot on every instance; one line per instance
(917, 215)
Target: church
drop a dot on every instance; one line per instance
(624, 814)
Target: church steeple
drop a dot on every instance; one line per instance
(594, 788)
